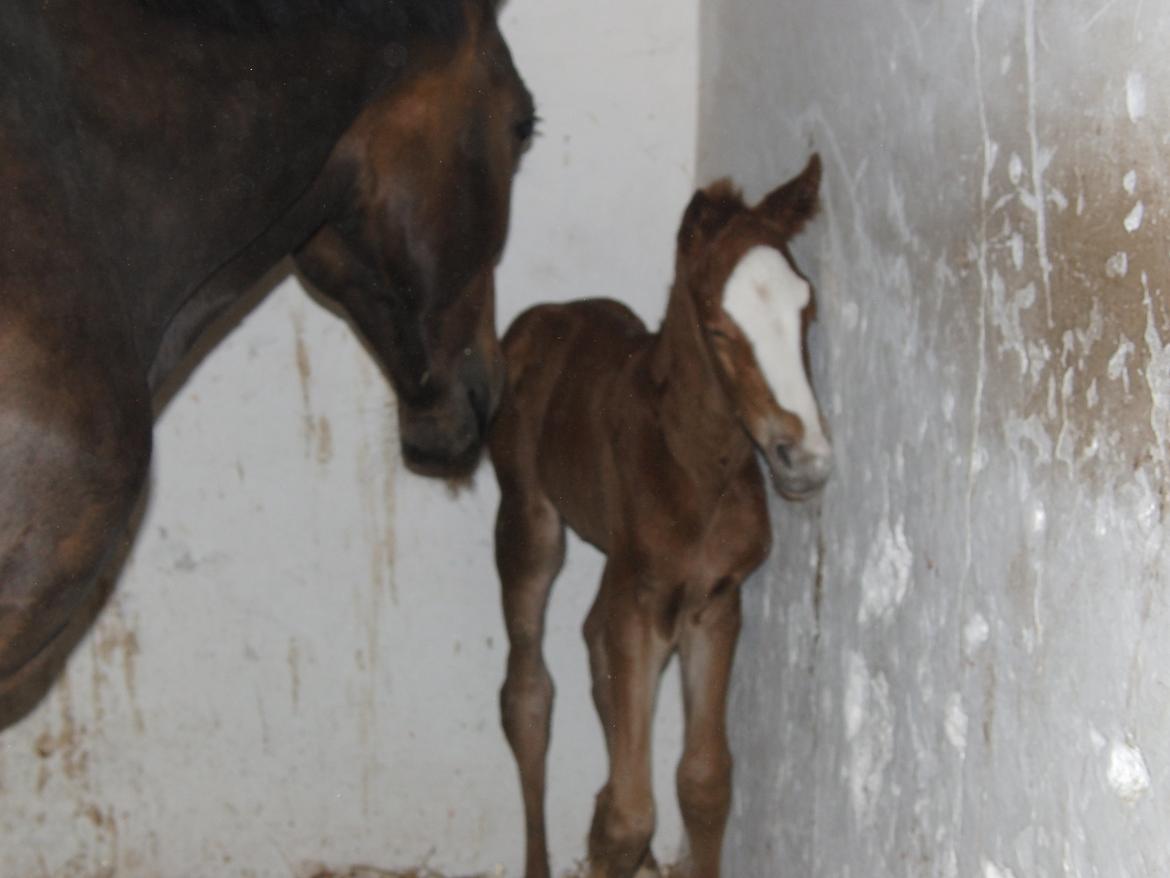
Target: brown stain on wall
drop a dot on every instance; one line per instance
(59, 746)
(304, 365)
(105, 827)
(317, 430)
(377, 466)
(116, 645)
(294, 671)
(324, 434)
(304, 368)
(389, 502)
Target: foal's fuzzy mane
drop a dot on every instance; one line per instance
(387, 19)
(724, 192)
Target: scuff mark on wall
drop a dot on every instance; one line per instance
(1127, 772)
(956, 723)
(1037, 201)
(869, 731)
(887, 573)
(1135, 95)
(1157, 373)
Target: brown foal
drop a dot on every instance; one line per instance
(644, 445)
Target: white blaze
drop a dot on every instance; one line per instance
(765, 297)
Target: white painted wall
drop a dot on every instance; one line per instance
(301, 660)
(956, 664)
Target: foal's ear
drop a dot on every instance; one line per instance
(708, 212)
(793, 204)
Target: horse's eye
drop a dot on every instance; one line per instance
(525, 128)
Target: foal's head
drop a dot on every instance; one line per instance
(428, 169)
(755, 307)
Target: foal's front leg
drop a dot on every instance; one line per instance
(627, 652)
(706, 650)
(530, 548)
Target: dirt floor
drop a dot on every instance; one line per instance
(368, 872)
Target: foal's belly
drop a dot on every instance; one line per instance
(572, 476)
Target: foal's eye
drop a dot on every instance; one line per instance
(718, 333)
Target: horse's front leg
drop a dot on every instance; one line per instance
(74, 454)
(627, 651)
(703, 779)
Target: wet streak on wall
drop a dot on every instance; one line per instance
(301, 662)
(955, 663)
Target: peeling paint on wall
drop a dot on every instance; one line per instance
(886, 576)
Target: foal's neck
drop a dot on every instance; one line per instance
(698, 418)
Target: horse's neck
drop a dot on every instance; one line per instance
(230, 139)
(697, 416)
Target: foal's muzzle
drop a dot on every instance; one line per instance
(798, 473)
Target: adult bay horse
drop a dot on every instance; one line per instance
(644, 445)
(157, 157)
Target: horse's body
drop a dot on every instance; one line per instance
(156, 158)
(643, 444)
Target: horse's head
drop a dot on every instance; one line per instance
(427, 170)
(755, 307)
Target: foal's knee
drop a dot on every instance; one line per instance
(526, 698)
(703, 781)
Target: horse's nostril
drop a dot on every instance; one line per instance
(480, 400)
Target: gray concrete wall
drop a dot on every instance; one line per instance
(956, 663)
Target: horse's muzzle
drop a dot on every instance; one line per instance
(445, 439)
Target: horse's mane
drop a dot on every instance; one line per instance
(387, 19)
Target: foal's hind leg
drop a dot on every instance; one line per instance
(530, 548)
(703, 779)
(627, 652)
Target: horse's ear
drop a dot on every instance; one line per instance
(794, 203)
(708, 211)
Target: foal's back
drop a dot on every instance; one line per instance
(577, 374)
